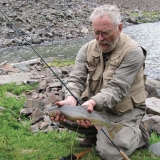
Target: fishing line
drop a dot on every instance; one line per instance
(74, 138)
(40, 57)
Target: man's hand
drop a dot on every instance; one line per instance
(70, 100)
(90, 106)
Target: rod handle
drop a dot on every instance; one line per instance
(124, 155)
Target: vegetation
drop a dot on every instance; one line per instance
(18, 143)
(61, 62)
(145, 17)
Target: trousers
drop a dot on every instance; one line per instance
(128, 139)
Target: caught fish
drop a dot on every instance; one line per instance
(74, 113)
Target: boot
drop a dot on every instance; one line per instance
(156, 128)
(88, 142)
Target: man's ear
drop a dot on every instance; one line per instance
(120, 27)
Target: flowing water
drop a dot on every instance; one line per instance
(148, 35)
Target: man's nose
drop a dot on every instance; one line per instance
(100, 37)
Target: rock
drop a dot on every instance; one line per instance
(2, 72)
(50, 129)
(55, 84)
(38, 104)
(84, 30)
(28, 103)
(22, 67)
(35, 95)
(153, 106)
(37, 115)
(156, 128)
(51, 99)
(155, 148)
(48, 120)
(31, 81)
(133, 20)
(152, 87)
(152, 122)
(34, 128)
(9, 68)
(43, 125)
(26, 111)
(2, 109)
(16, 77)
(43, 83)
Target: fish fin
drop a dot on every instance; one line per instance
(98, 127)
(117, 127)
(114, 130)
(111, 135)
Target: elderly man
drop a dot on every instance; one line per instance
(108, 77)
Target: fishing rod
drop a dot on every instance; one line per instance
(78, 102)
(40, 56)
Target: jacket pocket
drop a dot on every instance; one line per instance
(95, 82)
(129, 102)
(139, 98)
(123, 107)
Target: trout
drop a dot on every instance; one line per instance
(74, 113)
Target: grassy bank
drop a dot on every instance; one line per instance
(18, 143)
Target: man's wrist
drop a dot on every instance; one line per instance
(92, 102)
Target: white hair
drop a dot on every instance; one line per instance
(110, 10)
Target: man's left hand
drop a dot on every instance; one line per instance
(90, 107)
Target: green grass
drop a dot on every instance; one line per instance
(18, 143)
(61, 62)
(145, 17)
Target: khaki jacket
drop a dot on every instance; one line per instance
(99, 76)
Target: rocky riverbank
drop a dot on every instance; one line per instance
(50, 89)
(52, 20)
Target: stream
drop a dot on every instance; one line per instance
(147, 34)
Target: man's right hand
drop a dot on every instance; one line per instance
(70, 100)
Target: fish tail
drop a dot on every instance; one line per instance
(114, 130)
(111, 134)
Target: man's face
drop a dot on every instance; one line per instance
(106, 33)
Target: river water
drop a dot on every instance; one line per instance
(148, 35)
